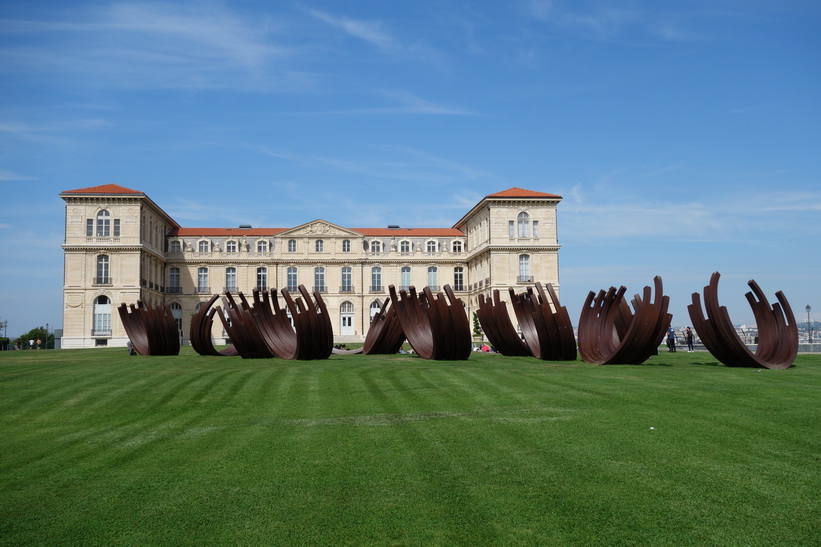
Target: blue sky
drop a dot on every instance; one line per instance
(685, 137)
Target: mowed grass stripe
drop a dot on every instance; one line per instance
(397, 450)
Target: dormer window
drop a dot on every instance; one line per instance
(430, 246)
(262, 246)
(457, 246)
(230, 246)
(404, 246)
(203, 246)
(376, 246)
(174, 247)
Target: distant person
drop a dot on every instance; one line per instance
(689, 338)
(671, 340)
(31, 344)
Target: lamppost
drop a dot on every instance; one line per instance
(809, 325)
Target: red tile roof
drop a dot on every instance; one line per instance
(104, 189)
(522, 193)
(239, 232)
(409, 232)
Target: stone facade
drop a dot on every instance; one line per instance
(121, 247)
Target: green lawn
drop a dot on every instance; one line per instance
(97, 447)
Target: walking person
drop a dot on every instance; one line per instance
(688, 337)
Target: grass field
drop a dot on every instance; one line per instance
(102, 448)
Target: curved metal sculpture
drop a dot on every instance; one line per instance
(496, 324)
(241, 326)
(311, 336)
(610, 334)
(777, 330)
(151, 331)
(437, 327)
(385, 335)
(200, 332)
(548, 333)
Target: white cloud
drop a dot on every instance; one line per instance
(369, 31)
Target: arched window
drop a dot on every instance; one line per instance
(262, 246)
(262, 279)
(523, 223)
(292, 284)
(319, 279)
(405, 278)
(458, 278)
(319, 246)
(103, 277)
(376, 246)
(230, 246)
(102, 316)
(174, 247)
(347, 280)
(103, 224)
(430, 246)
(346, 245)
(376, 279)
(404, 246)
(174, 280)
(433, 274)
(292, 245)
(204, 246)
(374, 308)
(457, 246)
(231, 279)
(202, 280)
(524, 269)
(346, 318)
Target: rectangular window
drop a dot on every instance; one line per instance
(116, 227)
(102, 270)
(433, 283)
(174, 280)
(292, 280)
(89, 227)
(202, 280)
(292, 245)
(376, 279)
(458, 279)
(535, 229)
(405, 280)
(231, 279)
(346, 245)
(262, 279)
(524, 269)
(511, 229)
(319, 279)
(347, 280)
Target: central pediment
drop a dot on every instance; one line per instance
(319, 228)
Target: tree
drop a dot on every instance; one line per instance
(37, 333)
(477, 327)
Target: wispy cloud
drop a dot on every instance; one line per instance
(9, 176)
(369, 31)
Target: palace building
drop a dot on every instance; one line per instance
(121, 247)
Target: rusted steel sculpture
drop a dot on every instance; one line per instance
(240, 324)
(777, 330)
(385, 335)
(310, 337)
(200, 333)
(496, 324)
(151, 331)
(610, 334)
(437, 327)
(548, 333)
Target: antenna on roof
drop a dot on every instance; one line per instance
(244, 226)
(393, 226)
